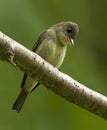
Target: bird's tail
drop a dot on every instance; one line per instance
(20, 101)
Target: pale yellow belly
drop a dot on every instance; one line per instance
(52, 53)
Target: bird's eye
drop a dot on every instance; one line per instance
(69, 30)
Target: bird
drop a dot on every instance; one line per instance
(51, 45)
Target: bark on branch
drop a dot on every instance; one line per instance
(60, 83)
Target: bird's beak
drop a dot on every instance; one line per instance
(72, 41)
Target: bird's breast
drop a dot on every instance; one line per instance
(52, 52)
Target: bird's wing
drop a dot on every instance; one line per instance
(39, 41)
(36, 45)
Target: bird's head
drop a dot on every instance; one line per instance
(66, 32)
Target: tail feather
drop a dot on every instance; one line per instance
(20, 101)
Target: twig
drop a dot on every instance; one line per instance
(58, 82)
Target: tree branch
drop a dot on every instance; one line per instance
(60, 83)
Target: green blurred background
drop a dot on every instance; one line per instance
(23, 20)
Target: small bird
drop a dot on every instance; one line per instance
(51, 45)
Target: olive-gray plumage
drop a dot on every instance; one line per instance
(51, 45)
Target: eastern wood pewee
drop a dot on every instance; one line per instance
(51, 45)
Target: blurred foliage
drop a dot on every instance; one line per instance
(23, 20)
